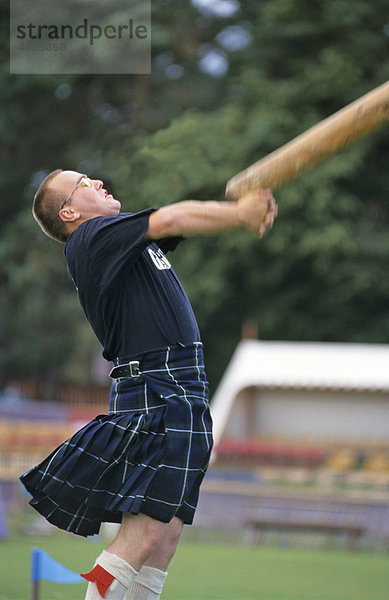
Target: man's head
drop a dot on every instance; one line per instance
(65, 199)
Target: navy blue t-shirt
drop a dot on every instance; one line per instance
(130, 294)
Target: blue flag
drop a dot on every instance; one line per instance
(45, 567)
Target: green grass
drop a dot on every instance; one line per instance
(213, 572)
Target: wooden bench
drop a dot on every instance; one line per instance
(255, 527)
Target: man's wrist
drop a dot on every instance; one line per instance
(246, 217)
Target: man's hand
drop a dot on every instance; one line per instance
(258, 210)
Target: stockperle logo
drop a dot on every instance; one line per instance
(80, 36)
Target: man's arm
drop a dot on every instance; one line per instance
(255, 211)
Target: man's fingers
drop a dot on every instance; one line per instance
(269, 198)
(271, 213)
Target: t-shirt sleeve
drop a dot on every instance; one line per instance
(115, 243)
(170, 243)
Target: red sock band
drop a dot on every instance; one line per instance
(100, 577)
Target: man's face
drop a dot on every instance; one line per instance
(91, 201)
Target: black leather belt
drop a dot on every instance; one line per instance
(130, 369)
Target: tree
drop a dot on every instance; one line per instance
(310, 278)
(231, 82)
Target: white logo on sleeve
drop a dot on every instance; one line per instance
(159, 259)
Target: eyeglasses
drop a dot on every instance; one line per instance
(84, 182)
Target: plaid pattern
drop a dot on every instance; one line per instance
(149, 454)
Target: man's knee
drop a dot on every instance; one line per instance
(153, 532)
(139, 535)
(171, 537)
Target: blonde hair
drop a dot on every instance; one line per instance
(46, 206)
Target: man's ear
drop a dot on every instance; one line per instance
(68, 214)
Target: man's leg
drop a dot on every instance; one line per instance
(149, 582)
(138, 537)
(116, 567)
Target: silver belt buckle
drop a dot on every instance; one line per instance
(134, 368)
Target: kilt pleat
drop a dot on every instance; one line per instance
(148, 454)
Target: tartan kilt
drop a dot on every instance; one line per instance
(149, 454)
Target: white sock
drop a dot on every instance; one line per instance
(123, 574)
(147, 585)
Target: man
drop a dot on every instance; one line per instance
(142, 464)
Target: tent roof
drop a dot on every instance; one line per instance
(300, 365)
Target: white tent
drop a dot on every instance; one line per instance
(348, 369)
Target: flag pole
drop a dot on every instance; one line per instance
(34, 590)
(34, 575)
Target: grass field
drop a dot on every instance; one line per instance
(213, 572)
